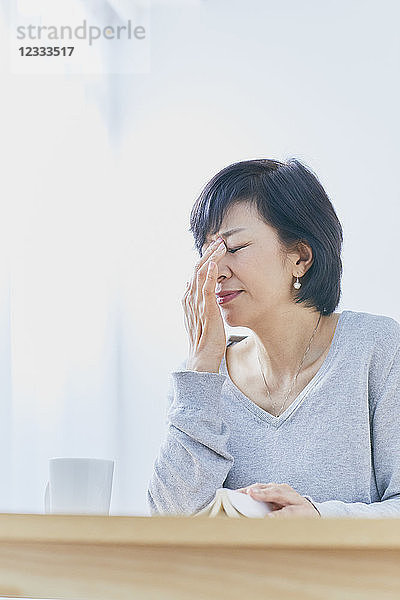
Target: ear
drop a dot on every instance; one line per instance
(302, 258)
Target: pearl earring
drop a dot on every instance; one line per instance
(297, 284)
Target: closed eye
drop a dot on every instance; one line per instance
(233, 250)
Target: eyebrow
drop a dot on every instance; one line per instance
(232, 231)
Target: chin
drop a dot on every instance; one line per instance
(233, 321)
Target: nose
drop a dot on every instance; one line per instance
(223, 267)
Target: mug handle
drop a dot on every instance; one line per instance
(47, 499)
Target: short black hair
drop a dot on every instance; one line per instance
(289, 197)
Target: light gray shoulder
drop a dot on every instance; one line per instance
(381, 329)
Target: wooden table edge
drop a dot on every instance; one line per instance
(298, 532)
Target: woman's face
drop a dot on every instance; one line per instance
(258, 267)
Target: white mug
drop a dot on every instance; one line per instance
(79, 486)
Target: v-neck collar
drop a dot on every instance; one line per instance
(265, 415)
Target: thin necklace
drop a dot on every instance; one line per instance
(295, 377)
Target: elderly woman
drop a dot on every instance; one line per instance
(303, 412)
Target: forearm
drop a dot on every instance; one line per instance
(375, 510)
(193, 461)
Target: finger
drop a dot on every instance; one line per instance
(278, 514)
(278, 494)
(257, 486)
(273, 506)
(196, 300)
(194, 290)
(290, 511)
(213, 252)
(207, 276)
(254, 486)
(274, 486)
(210, 250)
(213, 246)
(210, 282)
(209, 306)
(189, 317)
(215, 255)
(246, 489)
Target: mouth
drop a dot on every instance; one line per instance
(227, 296)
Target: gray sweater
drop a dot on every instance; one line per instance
(338, 443)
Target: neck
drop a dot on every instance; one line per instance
(282, 339)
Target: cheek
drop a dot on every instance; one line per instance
(258, 271)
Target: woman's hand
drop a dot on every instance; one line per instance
(284, 500)
(203, 320)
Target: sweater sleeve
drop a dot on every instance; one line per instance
(193, 461)
(385, 440)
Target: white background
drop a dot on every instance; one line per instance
(98, 177)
